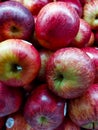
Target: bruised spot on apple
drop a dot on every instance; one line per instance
(16, 56)
(69, 72)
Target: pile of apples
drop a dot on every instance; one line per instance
(48, 65)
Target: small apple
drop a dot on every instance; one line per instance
(67, 124)
(16, 121)
(34, 6)
(10, 100)
(90, 14)
(75, 4)
(16, 21)
(56, 25)
(83, 111)
(83, 35)
(43, 110)
(69, 72)
(19, 62)
(92, 52)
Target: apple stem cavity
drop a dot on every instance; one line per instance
(9, 122)
(42, 120)
(16, 68)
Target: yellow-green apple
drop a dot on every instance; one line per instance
(43, 110)
(83, 35)
(10, 100)
(34, 6)
(56, 25)
(67, 124)
(90, 13)
(83, 111)
(16, 121)
(16, 21)
(19, 62)
(44, 55)
(75, 4)
(69, 72)
(92, 52)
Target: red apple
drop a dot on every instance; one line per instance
(67, 124)
(91, 41)
(34, 6)
(44, 55)
(69, 72)
(16, 21)
(92, 52)
(56, 25)
(83, 35)
(90, 14)
(19, 62)
(75, 4)
(83, 111)
(10, 100)
(16, 121)
(43, 110)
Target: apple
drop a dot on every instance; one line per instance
(83, 35)
(43, 110)
(10, 100)
(92, 52)
(34, 6)
(19, 62)
(56, 25)
(75, 4)
(90, 14)
(67, 124)
(91, 41)
(69, 72)
(83, 111)
(16, 21)
(16, 121)
(44, 55)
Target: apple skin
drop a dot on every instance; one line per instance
(44, 55)
(67, 124)
(16, 21)
(10, 100)
(90, 14)
(69, 72)
(83, 111)
(19, 62)
(34, 6)
(53, 27)
(83, 35)
(75, 4)
(16, 121)
(44, 110)
(91, 41)
(92, 52)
